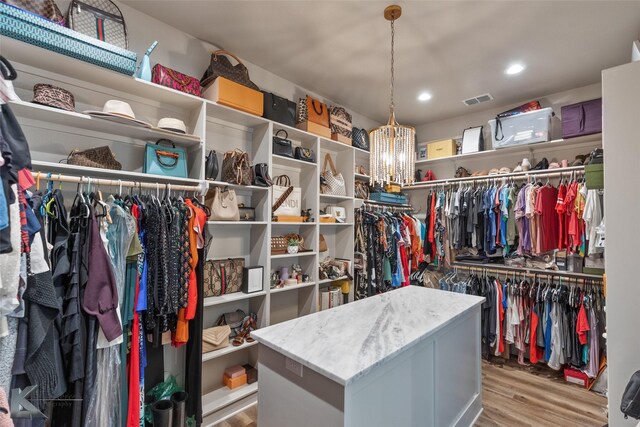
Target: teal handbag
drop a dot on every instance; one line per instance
(163, 160)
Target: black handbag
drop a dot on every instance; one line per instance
(282, 146)
(261, 175)
(279, 109)
(360, 138)
(305, 154)
(630, 403)
(211, 166)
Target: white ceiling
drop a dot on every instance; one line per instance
(453, 49)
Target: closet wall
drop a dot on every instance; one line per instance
(184, 53)
(621, 91)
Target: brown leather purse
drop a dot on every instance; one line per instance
(317, 112)
(236, 167)
(99, 157)
(220, 66)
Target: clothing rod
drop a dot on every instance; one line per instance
(117, 182)
(526, 271)
(400, 208)
(561, 172)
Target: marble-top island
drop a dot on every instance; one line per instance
(410, 357)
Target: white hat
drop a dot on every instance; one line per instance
(172, 125)
(118, 111)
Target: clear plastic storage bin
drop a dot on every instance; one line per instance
(524, 128)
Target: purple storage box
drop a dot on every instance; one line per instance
(583, 118)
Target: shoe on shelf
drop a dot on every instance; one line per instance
(554, 165)
(564, 163)
(494, 171)
(518, 168)
(525, 164)
(542, 165)
(503, 171)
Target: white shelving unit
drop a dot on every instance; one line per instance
(53, 134)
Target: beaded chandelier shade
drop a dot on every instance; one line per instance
(393, 155)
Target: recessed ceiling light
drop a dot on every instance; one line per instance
(514, 69)
(424, 96)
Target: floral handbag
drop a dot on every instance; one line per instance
(223, 276)
(173, 79)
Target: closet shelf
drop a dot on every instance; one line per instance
(526, 270)
(292, 287)
(299, 254)
(64, 168)
(524, 149)
(361, 151)
(362, 176)
(235, 223)
(330, 197)
(542, 173)
(236, 186)
(284, 223)
(227, 298)
(218, 112)
(227, 350)
(337, 224)
(292, 163)
(331, 145)
(325, 281)
(42, 61)
(72, 119)
(219, 398)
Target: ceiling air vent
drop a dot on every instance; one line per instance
(478, 99)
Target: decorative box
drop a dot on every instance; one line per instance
(583, 118)
(575, 376)
(594, 176)
(440, 149)
(252, 279)
(399, 199)
(252, 373)
(523, 128)
(315, 129)
(236, 382)
(561, 260)
(575, 263)
(38, 31)
(234, 371)
(288, 218)
(235, 95)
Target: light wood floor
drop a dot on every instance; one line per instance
(516, 396)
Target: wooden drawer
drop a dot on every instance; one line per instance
(234, 95)
(439, 149)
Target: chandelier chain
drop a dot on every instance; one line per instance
(393, 33)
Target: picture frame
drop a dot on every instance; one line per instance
(253, 279)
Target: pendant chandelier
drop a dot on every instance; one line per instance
(393, 155)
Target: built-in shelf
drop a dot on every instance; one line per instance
(525, 149)
(292, 287)
(331, 145)
(292, 163)
(281, 223)
(236, 186)
(123, 175)
(295, 134)
(43, 113)
(339, 224)
(299, 254)
(219, 398)
(331, 197)
(227, 350)
(499, 177)
(235, 223)
(527, 270)
(361, 151)
(324, 281)
(227, 298)
(362, 176)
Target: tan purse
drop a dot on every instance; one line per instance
(323, 244)
(332, 181)
(223, 205)
(215, 338)
(99, 157)
(223, 276)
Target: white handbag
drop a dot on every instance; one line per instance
(333, 180)
(291, 205)
(338, 212)
(224, 206)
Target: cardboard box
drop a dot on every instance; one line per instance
(341, 138)
(440, 149)
(316, 129)
(234, 95)
(235, 382)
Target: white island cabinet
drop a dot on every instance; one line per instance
(410, 357)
